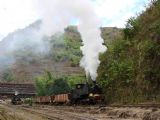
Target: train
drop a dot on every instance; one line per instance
(81, 94)
(16, 100)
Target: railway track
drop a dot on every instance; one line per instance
(52, 114)
(60, 114)
(49, 117)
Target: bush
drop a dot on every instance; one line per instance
(49, 85)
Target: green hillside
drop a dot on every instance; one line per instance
(130, 69)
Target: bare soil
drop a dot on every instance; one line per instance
(50, 112)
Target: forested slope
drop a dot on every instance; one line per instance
(130, 69)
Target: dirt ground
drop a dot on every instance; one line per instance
(46, 112)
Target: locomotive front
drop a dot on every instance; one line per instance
(90, 93)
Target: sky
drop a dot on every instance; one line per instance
(17, 14)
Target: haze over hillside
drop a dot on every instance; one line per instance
(26, 54)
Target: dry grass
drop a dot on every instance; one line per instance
(4, 115)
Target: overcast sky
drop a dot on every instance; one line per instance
(16, 14)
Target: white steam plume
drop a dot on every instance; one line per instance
(58, 14)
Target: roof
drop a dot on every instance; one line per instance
(26, 89)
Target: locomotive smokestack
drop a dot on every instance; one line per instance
(94, 82)
(90, 80)
(16, 93)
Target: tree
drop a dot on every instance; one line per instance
(59, 86)
(132, 28)
(48, 85)
(43, 83)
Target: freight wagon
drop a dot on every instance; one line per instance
(60, 98)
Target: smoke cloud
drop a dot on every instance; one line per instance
(58, 14)
(28, 41)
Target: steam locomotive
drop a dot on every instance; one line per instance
(86, 93)
(82, 93)
(16, 100)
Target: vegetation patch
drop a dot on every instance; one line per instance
(130, 69)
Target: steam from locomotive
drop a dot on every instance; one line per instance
(58, 14)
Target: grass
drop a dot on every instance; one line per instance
(5, 115)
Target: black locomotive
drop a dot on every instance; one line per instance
(16, 100)
(85, 93)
